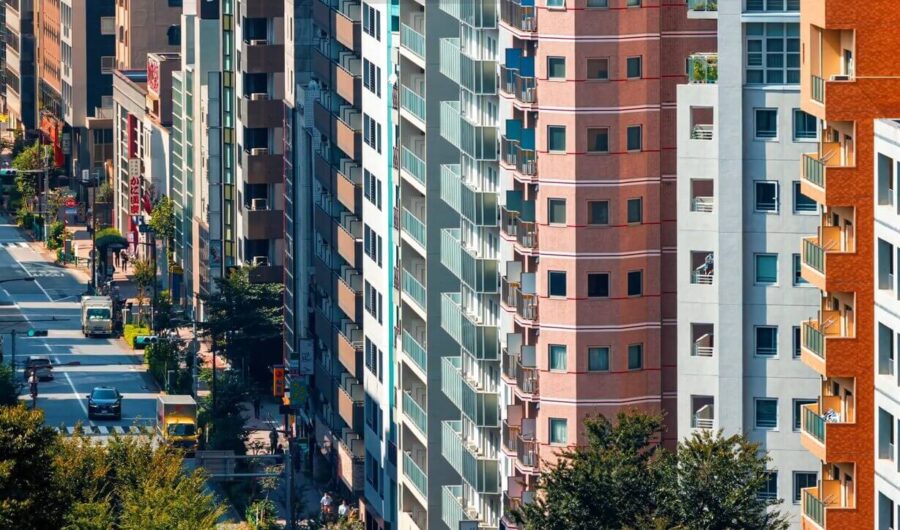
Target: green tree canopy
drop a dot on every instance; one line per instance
(162, 218)
(29, 159)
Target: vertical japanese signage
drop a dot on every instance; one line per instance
(134, 179)
(305, 357)
(278, 381)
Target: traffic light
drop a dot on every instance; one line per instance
(37, 332)
(141, 341)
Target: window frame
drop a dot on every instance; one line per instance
(591, 212)
(552, 351)
(634, 59)
(640, 352)
(756, 130)
(756, 185)
(640, 211)
(756, 280)
(608, 357)
(550, 434)
(794, 121)
(798, 492)
(551, 201)
(797, 279)
(587, 63)
(756, 424)
(797, 411)
(756, 341)
(589, 134)
(551, 59)
(556, 128)
(798, 193)
(588, 282)
(628, 277)
(640, 138)
(550, 275)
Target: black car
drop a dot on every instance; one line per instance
(105, 401)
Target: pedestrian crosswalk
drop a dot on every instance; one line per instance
(104, 430)
(14, 244)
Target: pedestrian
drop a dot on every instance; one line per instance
(256, 406)
(326, 503)
(116, 259)
(273, 439)
(343, 509)
(279, 450)
(124, 261)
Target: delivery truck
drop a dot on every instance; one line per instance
(176, 421)
(96, 315)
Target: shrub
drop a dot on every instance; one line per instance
(131, 331)
(56, 235)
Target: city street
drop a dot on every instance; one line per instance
(51, 302)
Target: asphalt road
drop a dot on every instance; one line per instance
(51, 302)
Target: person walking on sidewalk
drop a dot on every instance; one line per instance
(124, 258)
(325, 503)
(343, 509)
(256, 407)
(273, 439)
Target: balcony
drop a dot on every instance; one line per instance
(412, 102)
(349, 238)
(519, 15)
(415, 350)
(456, 511)
(478, 468)
(818, 251)
(351, 460)
(414, 288)
(346, 25)
(349, 293)
(703, 68)
(412, 40)
(348, 131)
(350, 345)
(413, 226)
(260, 166)
(258, 111)
(527, 457)
(467, 133)
(262, 223)
(703, 340)
(261, 57)
(476, 336)
(702, 267)
(413, 472)
(415, 413)
(517, 149)
(412, 164)
(262, 8)
(832, 417)
(350, 401)
(522, 87)
(476, 271)
(470, 199)
(349, 185)
(826, 504)
(830, 162)
(524, 304)
(347, 80)
(817, 335)
(703, 9)
(475, 399)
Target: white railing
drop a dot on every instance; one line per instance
(703, 351)
(702, 204)
(701, 278)
(702, 132)
(702, 423)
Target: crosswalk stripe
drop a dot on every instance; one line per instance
(118, 429)
(103, 430)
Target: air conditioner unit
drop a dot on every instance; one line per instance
(259, 151)
(259, 96)
(259, 204)
(260, 261)
(258, 42)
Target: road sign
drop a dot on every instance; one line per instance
(70, 202)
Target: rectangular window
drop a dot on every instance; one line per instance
(559, 431)
(556, 3)
(556, 281)
(766, 124)
(806, 126)
(635, 211)
(598, 67)
(635, 283)
(795, 333)
(766, 269)
(635, 138)
(107, 64)
(633, 67)
(598, 285)
(372, 188)
(773, 53)
(798, 278)
(598, 140)
(767, 341)
(558, 359)
(885, 433)
(803, 480)
(765, 195)
(885, 350)
(885, 180)
(635, 356)
(598, 3)
(766, 413)
(107, 25)
(798, 411)
(769, 490)
(598, 212)
(598, 359)
(556, 67)
(556, 211)
(633, 3)
(802, 203)
(556, 138)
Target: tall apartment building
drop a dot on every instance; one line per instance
(196, 153)
(887, 322)
(741, 211)
(145, 26)
(848, 81)
(20, 64)
(48, 57)
(253, 150)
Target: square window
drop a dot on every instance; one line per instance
(635, 140)
(598, 67)
(635, 356)
(556, 67)
(558, 359)
(556, 283)
(798, 278)
(767, 341)
(802, 203)
(766, 124)
(633, 67)
(766, 195)
(635, 210)
(806, 126)
(766, 269)
(798, 411)
(803, 480)
(598, 285)
(598, 140)
(635, 283)
(559, 431)
(598, 212)
(795, 332)
(556, 138)
(598, 359)
(766, 413)
(556, 211)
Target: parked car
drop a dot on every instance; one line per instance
(105, 401)
(41, 364)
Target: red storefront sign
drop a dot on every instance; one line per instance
(134, 179)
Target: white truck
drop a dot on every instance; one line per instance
(96, 315)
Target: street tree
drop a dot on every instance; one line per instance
(144, 276)
(162, 222)
(9, 393)
(221, 417)
(245, 322)
(31, 158)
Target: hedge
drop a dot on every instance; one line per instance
(131, 331)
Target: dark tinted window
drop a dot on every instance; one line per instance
(105, 393)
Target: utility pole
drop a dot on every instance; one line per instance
(94, 232)
(12, 349)
(194, 368)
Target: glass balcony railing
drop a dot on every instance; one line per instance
(813, 254)
(449, 65)
(521, 15)
(474, 335)
(415, 413)
(412, 102)
(414, 288)
(454, 510)
(817, 86)
(478, 468)
(522, 87)
(813, 338)
(814, 170)
(414, 165)
(415, 351)
(479, 273)
(813, 424)
(476, 402)
(412, 40)
(813, 507)
(413, 226)
(415, 474)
